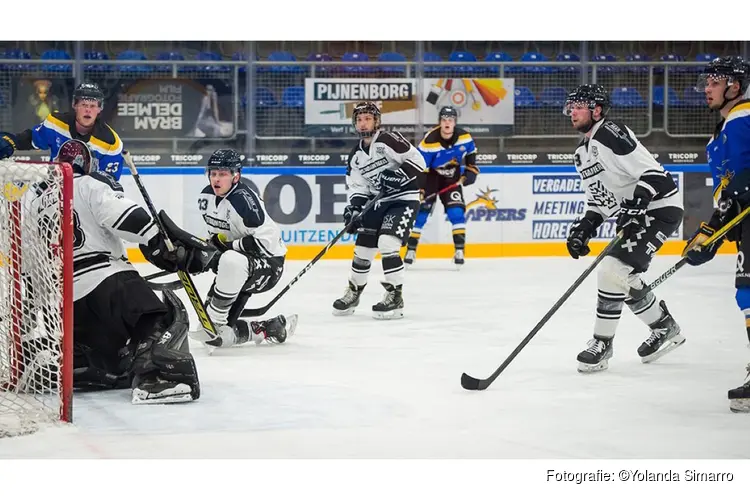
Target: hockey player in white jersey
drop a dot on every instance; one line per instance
(381, 162)
(250, 258)
(621, 178)
(124, 335)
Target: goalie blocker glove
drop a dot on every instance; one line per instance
(191, 254)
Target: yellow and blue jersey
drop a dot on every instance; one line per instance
(445, 154)
(728, 151)
(103, 141)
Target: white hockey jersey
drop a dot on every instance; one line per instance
(613, 163)
(102, 218)
(242, 218)
(388, 150)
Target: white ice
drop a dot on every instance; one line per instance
(353, 386)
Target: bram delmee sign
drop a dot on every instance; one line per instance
(485, 105)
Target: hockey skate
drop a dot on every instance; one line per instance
(458, 259)
(665, 337)
(392, 305)
(349, 302)
(275, 330)
(739, 398)
(154, 390)
(410, 257)
(596, 356)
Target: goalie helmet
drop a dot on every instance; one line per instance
(88, 92)
(591, 95)
(78, 155)
(366, 107)
(225, 159)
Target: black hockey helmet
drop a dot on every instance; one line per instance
(366, 107)
(590, 94)
(225, 159)
(730, 68)
(448, 112)
(78, 155)
(88, 92)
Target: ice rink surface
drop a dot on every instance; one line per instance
(350, 387)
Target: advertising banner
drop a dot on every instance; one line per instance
(35, 98)
(172, 108)
(500, 208)
(485, 105)
(485, 157)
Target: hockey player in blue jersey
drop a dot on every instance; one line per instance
(444, 148)
(82, 123)
(725, 83)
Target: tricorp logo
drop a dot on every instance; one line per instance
(485, 208)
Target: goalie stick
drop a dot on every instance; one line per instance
(639, 293)
(473, 384)
(187, 281)
(263, 310)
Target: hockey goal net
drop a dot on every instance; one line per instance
(36, 295)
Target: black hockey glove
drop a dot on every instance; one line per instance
(7, 145)
(191, 260)
(220, 242)
(581, 232)
(392, 181)
(694, 251)
(222, 245)
(156, 252)
(632, 216)
(350, 213)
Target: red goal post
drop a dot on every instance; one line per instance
(36, 295)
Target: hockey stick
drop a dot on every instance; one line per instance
(160, 287)
(263, 310)
(444, 190)
(157, 275)
(472, 384)
(187, 281)
(639, 293)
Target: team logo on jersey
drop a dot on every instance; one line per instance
(486, 208)
(592, 170)
(594, 151)
(602, 196)
(372, 168)
(217, 223)
(725, 178)
(388, 222)
(449, 169)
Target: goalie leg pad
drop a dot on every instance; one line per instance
(164, 372)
